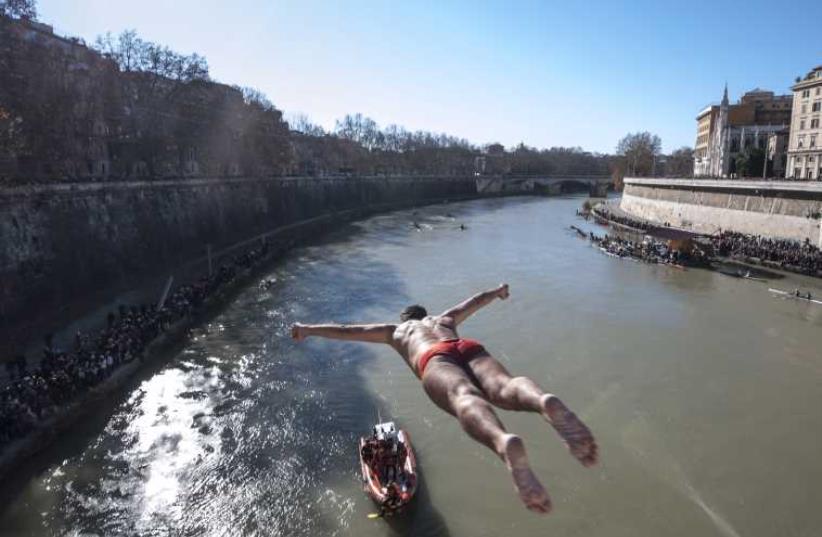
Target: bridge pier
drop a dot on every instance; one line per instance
(549, 189)
(597, 185)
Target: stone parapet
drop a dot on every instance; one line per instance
(779, 209)
(68, 244)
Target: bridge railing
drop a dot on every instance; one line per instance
(556, 177)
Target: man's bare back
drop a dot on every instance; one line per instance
(463, 379)
(414, 337)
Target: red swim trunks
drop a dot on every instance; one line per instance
(461, 350)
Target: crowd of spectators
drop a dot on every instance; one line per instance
(603, 213)
(795, 256)
(32, 396)
(648, 250)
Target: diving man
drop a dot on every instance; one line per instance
(463, 379)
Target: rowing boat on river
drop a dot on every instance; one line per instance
(793, 296)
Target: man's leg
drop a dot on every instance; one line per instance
(450, 387)
(522, 393)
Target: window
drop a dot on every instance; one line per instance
(796, 173)
(815, 123)
(800, 142)
(816, 107)
(802, 125)
(812, 141)
(804, 109)
(806, 93)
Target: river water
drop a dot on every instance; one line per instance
(704, 392)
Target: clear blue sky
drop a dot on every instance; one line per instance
(567, 73)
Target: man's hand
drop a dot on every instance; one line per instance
(466, 308)
(298, 331)
(502, 291)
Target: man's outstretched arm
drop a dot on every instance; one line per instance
(465, 309)
(370, 333)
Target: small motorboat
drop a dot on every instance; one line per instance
(731, 273)
(739, 274)
(389, 468)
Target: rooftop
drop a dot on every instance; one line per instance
(813, 78)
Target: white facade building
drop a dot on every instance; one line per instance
(805, 144)
(729, 130)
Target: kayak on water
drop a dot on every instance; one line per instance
(389, 468)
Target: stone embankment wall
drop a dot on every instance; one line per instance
(61, 244)
(770, 208)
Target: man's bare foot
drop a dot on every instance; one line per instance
(580, 441)
(528, 487)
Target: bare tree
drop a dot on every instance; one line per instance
(127, 49)
(19, 9)
(359, 129)
(134, 54)
(301, 123)
(395, 138)
(639, 151)
(189, 68)
(680, 163)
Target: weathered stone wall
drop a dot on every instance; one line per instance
(61, 243)
(774, 209)
(68, 113)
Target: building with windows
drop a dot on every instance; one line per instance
(805, 143)
(776, 154)
(705, 124)
(726, 131)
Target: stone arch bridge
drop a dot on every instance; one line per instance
(596, 185)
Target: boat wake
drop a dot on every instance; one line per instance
(655, 457)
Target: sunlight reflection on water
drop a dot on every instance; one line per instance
(244, 432)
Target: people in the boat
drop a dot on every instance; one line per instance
(385, 457)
